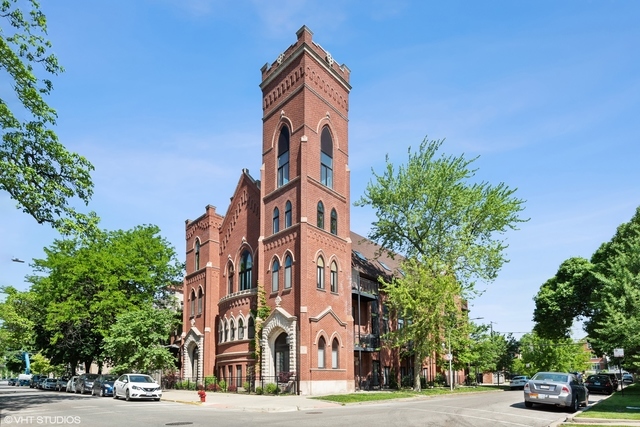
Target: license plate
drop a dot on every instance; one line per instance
(597, 383)
(544, 387)
(148, 394)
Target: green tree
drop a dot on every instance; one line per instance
(35, 168)
(83, 284)
(18, 324)
(564, 297)
(604, 292)
(136, 341)
(40, 364)
(450, 231)
(564, 354)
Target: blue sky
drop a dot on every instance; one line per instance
(162, 97)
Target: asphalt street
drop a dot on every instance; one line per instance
(24, 406)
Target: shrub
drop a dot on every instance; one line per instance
(213, 387)
(259, 390)
(272, 388)
(223, 385)
(393, 381)
(246, 386)
(209, 380)
(232, 388)
(407, 381)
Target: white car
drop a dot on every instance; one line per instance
(518, 382)
(136, 386)
(71, 384)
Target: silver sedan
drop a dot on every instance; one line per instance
(556, 388)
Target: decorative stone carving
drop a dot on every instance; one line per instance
(330, 59)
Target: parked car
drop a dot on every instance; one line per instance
(518, 382)
(61, 384)
(35, 380)
(627, 378)
(614, 379)
(40, 383)
(556, 388)
(103, 385)
(85, 382)
(136, 386)
(13, 381)
(599, 384)
(49, 384)
(71, 384)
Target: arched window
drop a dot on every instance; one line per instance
(200, 301)
(240, 329)
(226, 331)
(287, 272)
(334, 277)
(276, 220)
(320, 273)
(245, 271)
(287, 215)
(197, 255)
(192, 303)
(283, 156)
(230, 274)
(334, 221)
(251, 329)
(232, 330)
(326, 158)
(334, 354)
(320, 215)
(275, 276)
(321, 346)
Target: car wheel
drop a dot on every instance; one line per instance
(101, 392)
(574, 405)
(115, 395)
(528, 404)
(126, 395)
(586, 399)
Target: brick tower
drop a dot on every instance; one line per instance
(304, 245)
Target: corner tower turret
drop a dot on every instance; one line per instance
(305, 228)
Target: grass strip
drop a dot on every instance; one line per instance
(619, 406)
(369, 396)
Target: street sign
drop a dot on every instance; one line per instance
(618, 352)
(448, 357)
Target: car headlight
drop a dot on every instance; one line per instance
(135, 387)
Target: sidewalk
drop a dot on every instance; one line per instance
(247, 402)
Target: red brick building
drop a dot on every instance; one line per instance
(289, 235)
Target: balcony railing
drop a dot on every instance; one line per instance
(365, 285)
(369, 342)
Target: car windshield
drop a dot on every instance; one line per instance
(141, 379)
(91, 376)
(109, 378)
(550, 376)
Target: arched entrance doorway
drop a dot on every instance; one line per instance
(281, 356)
(195, 359)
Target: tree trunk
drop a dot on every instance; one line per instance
(417, 366)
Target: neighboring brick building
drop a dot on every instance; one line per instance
(289, 234)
